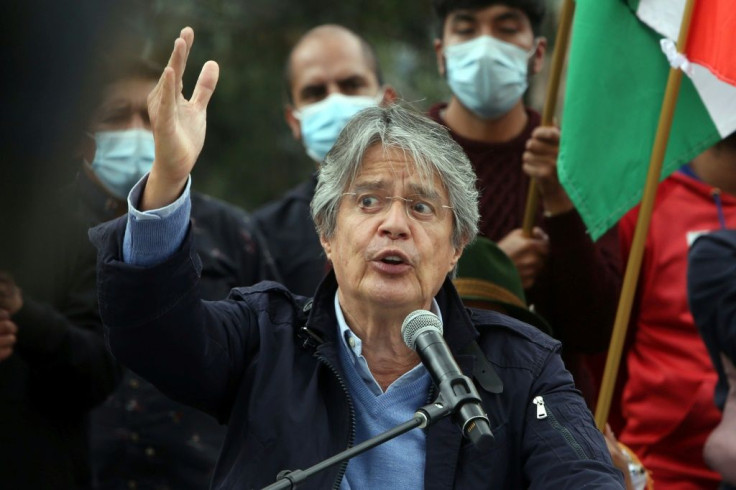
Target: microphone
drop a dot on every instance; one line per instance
(422, 332)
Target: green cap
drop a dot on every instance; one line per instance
(486, 274)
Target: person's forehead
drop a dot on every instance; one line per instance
(489, 13)
(329, 58)
(131, 89)
(391, 168)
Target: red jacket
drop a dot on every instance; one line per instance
(667, 401)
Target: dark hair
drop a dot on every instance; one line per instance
(107, 69)
(369, 53)
(113, 69)
(534, 9)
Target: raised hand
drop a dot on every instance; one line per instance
(179, 125)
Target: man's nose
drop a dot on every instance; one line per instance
(140, 121)
(395, 220)
(333, 88)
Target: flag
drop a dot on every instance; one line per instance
(617, 74)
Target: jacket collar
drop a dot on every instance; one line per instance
(458, 328)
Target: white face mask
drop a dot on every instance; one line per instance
(322, 121)
(122, 158)
(487, 75)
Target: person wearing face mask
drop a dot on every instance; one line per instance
(487, 50)
(138, 436)
(331, 74)
(121, 158)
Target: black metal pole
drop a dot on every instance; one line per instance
(424, 417)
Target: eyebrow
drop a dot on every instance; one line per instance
(414, 189)
(369, 185)
(312, 88)
(463, 16)
(510, 15)
(356, 78)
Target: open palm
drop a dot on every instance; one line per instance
(179, 125)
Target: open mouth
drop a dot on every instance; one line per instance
(392, 260)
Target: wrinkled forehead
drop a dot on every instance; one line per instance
(395, 171)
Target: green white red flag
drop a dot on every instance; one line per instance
(617, 73)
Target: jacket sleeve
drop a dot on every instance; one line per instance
(66, 352)
(712, 292)
(562, 447)
(583, 282)
(158, 326)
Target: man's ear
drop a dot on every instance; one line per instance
(456, 256)
(326, 247)
(439, 51)
(293, 122)
(87, 148)
(538, 56)
(389, 95)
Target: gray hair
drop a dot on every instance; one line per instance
(428, 144)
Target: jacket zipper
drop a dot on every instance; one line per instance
(351, 439)
(544, 413)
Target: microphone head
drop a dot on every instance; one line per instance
(417, 322)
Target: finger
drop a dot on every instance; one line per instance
(608, 432)
(548, 134)
(8, 328)
(206, 84)
(4, 315)
(178, 60)
(154, 97)
(7, 341)
(528, 282)
(166, 100)
(539, 165)
(539, 233)
(542, 146)
(5, 353)
(187, 34)
(542, 250)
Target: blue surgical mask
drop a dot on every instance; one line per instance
(322, 121)
(487, 75)
(122, 158)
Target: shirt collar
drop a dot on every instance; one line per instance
(353, 345)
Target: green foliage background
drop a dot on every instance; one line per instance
(250, 156)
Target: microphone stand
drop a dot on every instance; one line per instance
(424, 417)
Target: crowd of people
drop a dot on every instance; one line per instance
(164, 339)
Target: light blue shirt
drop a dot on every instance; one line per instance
(353, 344)
(398, 463)
(153, 236)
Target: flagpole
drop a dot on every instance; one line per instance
(550, 103)
(633, 266)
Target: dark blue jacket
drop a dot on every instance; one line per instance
(711, 284)
(287, 226)
(141, 437)
(265, 362)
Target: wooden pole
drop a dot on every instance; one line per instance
(633, 266)
(550, 103)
